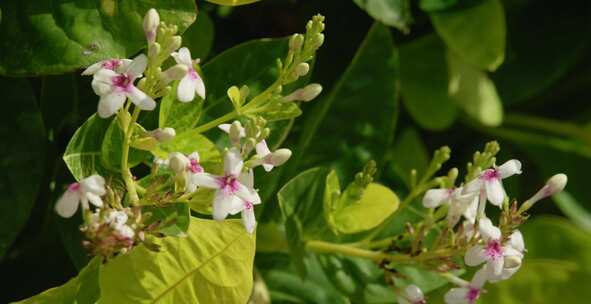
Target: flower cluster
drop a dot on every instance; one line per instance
(499, 249)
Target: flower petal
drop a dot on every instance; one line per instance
(516, 241)
(509, 168)
(471, 210)
(184, 57)
(262, 149)
(473, 187)
(248, 219)
(495, 266)
(137, 66)
(488, 230)
(186, 90)
(456, 296)
(67, 205)
(93, 68)
(199, 86)
(109, 104)
(102, 82)
(194, 156)
(247, 179)
(140, 99)
(94, 199)
(95, 184)
(494, 191)
(479, 278)
(248, 195)
(475, 256)
(233, 162)
(435, 197)
(205, 180)
(221, 205)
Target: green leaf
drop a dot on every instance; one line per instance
(188, 142)
(232, 2)
(83, 153)
(83, 289)
(69, 35)
(424, 83)
(476, 34)
(22, 157)
(535, 63)
(376, 204)
(281, 110)
(199, 36)
(180, 116)
(573, 210)
(557, 260)
(474, 92)
(409, 153)
(365, 98)
(213, 264)
(174, 218)
(111, 150)
(332, 194)
(436, 5)
(394, 13)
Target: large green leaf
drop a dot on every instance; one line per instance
(22, 157)
(111, 150)
(436, 5)
(424, 83)
(394, 13)
(83, 289)
(83, 153)
(213, 264)
(474, 92)
(174, 218)
(199, 36)
(409, 153)
(188, 142)
(179, 115)
(541, 51)
(558, 260)
(477, 33)
(355, 122)
(52, 37)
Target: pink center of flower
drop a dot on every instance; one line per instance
(473, 294)
(491, 174)
(192, 74)
(194, 166)
(111, 64)
(248, 205)
(123, 82)
(74, 187)
(493, 250)
(228, 184)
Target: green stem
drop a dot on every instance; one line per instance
(125, 171)
(325, 247)
(548, 125)
(214, 123)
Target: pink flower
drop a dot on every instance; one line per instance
(192, 82)
(490, 180)
(115, 87)
(470, 293)
(87, 190)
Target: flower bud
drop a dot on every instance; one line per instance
(302, 69)
(175, 43)
(296, 41)
(318, 40)
(512, 261)
(163, 135)
(151, 22)
(154, 50)
(554, 185)
(236, 132)
(306, 93)
(178, 162)
(279, 157)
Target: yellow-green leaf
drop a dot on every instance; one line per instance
(213, 264)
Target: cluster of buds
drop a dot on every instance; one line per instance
(497, 249)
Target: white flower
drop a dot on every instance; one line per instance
(248, 218)
(192, 82)
(231, 193)
(89, 189)
(412, 294)
(117, 65)
(114, 87)
(455, 198)
(490, 181)
(492, 252)
(470, 293)
(116, 218)
(125, 231)
(513, 256)
(269, 159)
(188, 166)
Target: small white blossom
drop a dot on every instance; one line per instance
(269, 159)
(192, 82)
(116, 218)
(231, 193)
(513, 255)
(125, 231)
(411, 294)
(114, 87)
(493, 252)
(87, 190)
(248, 217)
(455, 198)
(491, 181)
(188, 166)
(470, 293)
(305, 94)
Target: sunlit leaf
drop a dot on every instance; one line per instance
(83, 153)
(394, 13)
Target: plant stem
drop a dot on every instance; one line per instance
(214, 123)
(125, 171)
(548, 125)
(325, 247)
